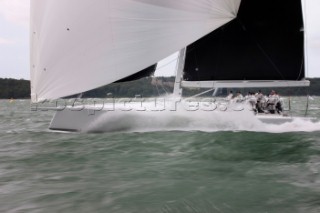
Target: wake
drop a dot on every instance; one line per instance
(216, 121)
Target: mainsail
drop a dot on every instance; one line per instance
(78, 45)
(265, 42)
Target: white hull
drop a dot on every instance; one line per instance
(73, 121)
(274, 119)
(91, 120)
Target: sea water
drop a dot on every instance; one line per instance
(183, 164)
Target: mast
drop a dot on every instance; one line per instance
(305, 31)
(177, 90)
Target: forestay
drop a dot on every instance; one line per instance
(78, 45)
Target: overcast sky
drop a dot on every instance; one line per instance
(14, 40)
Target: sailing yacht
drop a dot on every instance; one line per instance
(79, 45)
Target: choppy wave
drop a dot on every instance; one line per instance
(158, 169)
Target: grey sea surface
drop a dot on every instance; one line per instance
(229, 170)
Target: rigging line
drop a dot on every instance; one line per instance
(261, 49)
(307, 106)
(164, 89)
(301, 68)
(202, 93)
(157, 86)
(76, 99)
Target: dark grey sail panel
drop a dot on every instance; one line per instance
(265, 42)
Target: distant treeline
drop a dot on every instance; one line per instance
(146, 87)
(12, 88)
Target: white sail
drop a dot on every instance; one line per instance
(78, 45)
